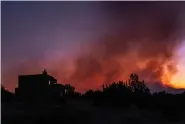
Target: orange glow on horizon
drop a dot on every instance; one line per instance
(177, 79)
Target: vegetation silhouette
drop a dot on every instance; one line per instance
(123, 95)
(6, 96)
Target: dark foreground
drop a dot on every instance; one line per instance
(81, 112)
(117, 103)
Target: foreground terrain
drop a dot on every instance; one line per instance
(80, 111)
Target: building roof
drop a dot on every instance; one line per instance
(39, 75)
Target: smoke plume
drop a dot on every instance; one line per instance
(144, 42)
(141, 37)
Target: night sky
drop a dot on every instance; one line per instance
(88, 44)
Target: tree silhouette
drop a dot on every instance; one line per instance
(5, 94)
(2, 88)
(69, 90)
(136, 85)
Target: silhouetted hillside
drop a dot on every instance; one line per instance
(127, 102)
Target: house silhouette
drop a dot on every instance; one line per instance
(38, 87)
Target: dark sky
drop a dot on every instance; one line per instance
(85, 43)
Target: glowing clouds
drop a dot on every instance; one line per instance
(178, 79)
(105, 45)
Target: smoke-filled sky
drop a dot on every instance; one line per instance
(88, 44)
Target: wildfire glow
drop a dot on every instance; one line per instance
(177, 79)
